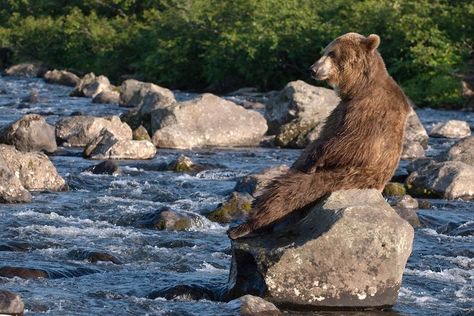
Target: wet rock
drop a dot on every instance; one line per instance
(21, 272)
(91, 85)
(107, 146)
(92, 256)
(406, 201)
(206, 121)
(165, 219)
(412, 150)
(184, 292)
(249, 305)
(26, 70)
(185, 164)
(107, 96)
(409, 215)
(11, 189)
(79, 131)
(463, 151)
(62, 77)
(140, 133)
(394, 189)
(11, 303)
(297, 110)
(32, 98)
(236, 208)
(30, 133)
(451, 129)
(105, 167)
(449, 180)
(34, 169)
(348, 251)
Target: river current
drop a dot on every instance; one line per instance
(97, 213)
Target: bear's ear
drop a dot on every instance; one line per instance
(372, 41)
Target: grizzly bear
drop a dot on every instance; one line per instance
(360, 144)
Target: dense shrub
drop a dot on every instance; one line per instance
(197, 44)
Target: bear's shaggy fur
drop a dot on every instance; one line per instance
(361, 142)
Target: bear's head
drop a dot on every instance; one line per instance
(348, 60)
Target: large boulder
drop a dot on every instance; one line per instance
(30, 133)
(11, 189)
(11, 303)
(91, 85)
(26, 70)
(449, 180)
(451, 129)
(207, 121)
(34, 169)
(463, 151)
(61, 77)
(80, 130)
(107, 146)
(348, 251)
(298, 110)
(416, 137)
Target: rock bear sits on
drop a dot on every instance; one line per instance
(360, 144)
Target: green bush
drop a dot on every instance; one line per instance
(197, 44)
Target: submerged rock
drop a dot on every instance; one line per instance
(165, 219)
(26, 70)
(249, 305)
(11, 303)
(79, 131)
(451, 129)
(184, 292)
(30, 133)
(92, 256)
(298, 110)
(462, 151)
(105, 167)
(206, 121)
(107, 146)
(34, 169)
(11, 189)
(62, 77)
(449, 180)
(22, 272)
(348, 251)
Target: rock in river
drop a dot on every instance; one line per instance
(348, 251)
(107, 146)
(249, 305)
(207, 121)
(451, 129)
(11, 303)
(26, 70)
(34, 169)
(463, 151)
(62, 77)
(11, 189)
(79, 131)
(30, 133)
(91, 85)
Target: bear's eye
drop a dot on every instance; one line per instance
(332, 54)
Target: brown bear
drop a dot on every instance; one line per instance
(360, 144)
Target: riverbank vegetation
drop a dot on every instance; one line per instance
(224, 45)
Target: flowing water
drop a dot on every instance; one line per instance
(98, 212)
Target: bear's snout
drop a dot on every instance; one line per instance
(320, 70)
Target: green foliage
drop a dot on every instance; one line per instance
(194, 44)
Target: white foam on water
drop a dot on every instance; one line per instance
(463, 262)
(128, 168)
(432, 232)
(455, 275)
(209, 268)
(417, 298)
(62, 219)
(73, 231)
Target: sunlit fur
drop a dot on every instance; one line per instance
(361, 142)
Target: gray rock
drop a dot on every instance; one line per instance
(11, 189)
(409, 215)
(407, 202)
(254, 183)
(80, 130)
(30, 133)
(11, 303)
(348, 251)
(62, 77)
(34, 169)
(297, 110)
(91, 85)
(107, 96)
(462, 150)
(207, 121)
(165, 219)
(26, 70)
(134, 93)
(451, 129)
(414, 130)
(249, 305)
(449, 180)
(107, 146)
(412, 150)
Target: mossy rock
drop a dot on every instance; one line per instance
(165, 219)
(294, 134)
(185, 164)
(394, 189)
(420, 192)
(141, 133)
(237, 207)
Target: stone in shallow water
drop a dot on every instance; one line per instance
(11, 303)
(185, 292)
(249, 305)
(348, 251)
(92, 256)
(62, 77)
(105, 167)
(451, 129)
(463, 151)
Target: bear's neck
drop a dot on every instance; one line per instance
(363, 83)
